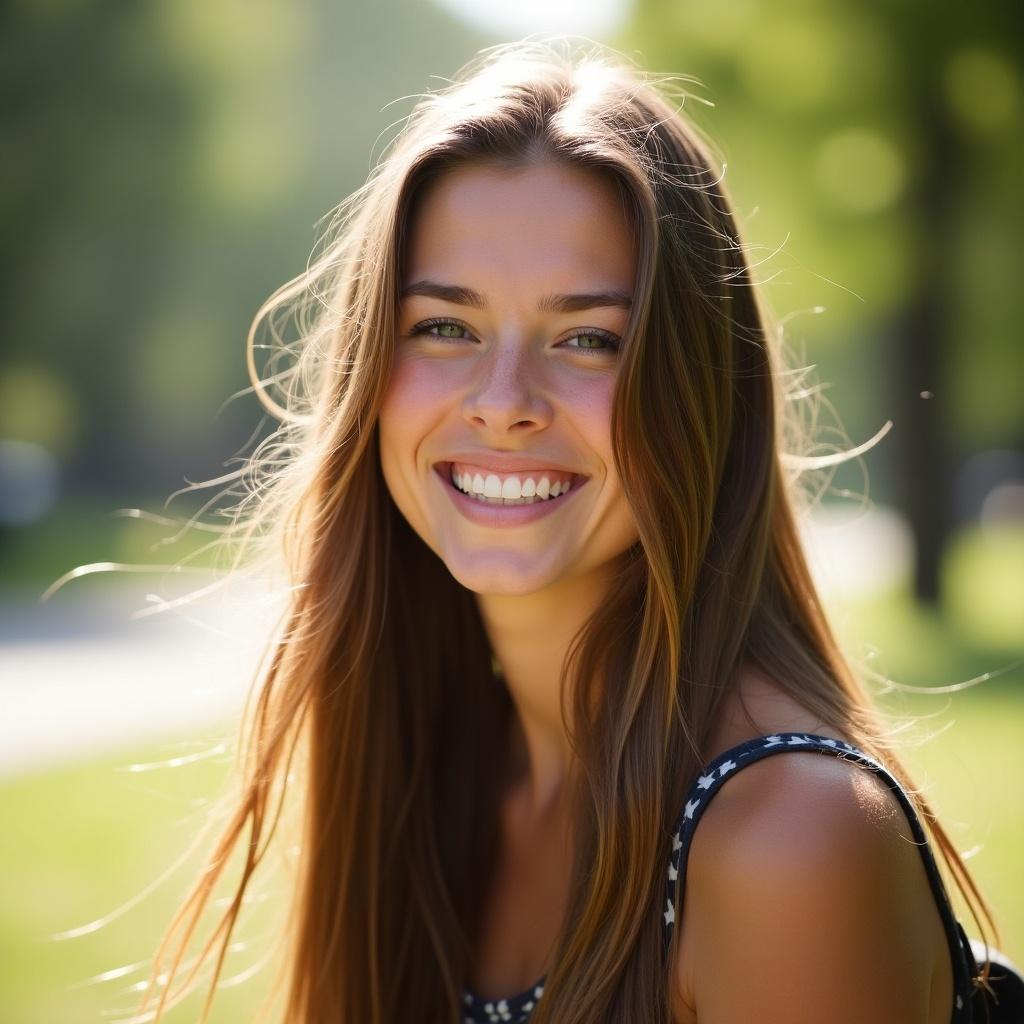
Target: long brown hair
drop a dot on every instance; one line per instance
(379, 701)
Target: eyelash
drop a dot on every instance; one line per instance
(422, 328)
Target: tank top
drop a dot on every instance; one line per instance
(517, 1008)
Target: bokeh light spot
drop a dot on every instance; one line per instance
(37, 407)
(982, 89)
(860, 171)
(790, 65)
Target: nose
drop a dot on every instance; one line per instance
(503, 395)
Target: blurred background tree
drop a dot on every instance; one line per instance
(165, 165)
(884, 141)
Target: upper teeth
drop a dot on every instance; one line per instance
(493, 486)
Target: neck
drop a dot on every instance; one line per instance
(530, 636)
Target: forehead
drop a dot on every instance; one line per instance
(536, 227)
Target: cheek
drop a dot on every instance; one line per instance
(412, 401)
(416, 386)
(593, 419)
(590, 407)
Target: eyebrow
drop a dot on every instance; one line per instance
(548, 304)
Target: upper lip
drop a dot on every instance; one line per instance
(508, 462)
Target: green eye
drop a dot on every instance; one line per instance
(449, 330)
(594, 341)
(440, 329)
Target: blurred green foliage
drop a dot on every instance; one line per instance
(166, 165)
(822, 112)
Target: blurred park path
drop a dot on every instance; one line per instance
(80, 676)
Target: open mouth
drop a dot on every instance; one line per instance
(534, 487)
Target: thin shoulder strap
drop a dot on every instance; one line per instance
(733, 760)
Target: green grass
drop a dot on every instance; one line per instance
(958, 678)
(81, 842)
(970, 774)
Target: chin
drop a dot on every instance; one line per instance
(497, 576)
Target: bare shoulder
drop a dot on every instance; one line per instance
(757, 705)
(803, 805)
(809, 900)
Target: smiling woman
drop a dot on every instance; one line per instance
(548, 599)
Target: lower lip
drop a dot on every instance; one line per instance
(484, 514)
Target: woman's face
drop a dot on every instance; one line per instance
(516, 293)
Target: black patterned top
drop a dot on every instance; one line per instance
(517, 1008)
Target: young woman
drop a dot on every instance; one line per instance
(550, 610)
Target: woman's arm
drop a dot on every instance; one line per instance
(809, 901)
